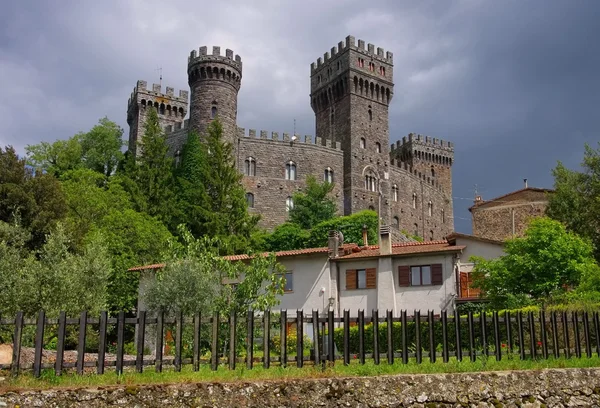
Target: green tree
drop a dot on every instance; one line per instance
(285, 237)
(101, 147)
(351, 226)
(56, 158)
(575, 199)
(221, 208)
(546, 261)
(154, 170)
(313, 205)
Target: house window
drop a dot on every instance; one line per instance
(414, 200)
(420, 275)
(430, 208)
(328, 175)
(290, 171)
(395, 192)
(289, 281)
(250, 200)
(361, 278)
(378, 147)
(396, 222)
(213, 112)
(289, 203)
(250, 167)
(363, 143)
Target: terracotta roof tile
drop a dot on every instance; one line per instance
(407, 248)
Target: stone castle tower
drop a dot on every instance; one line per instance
(408, 183)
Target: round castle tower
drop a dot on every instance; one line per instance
(214, 82)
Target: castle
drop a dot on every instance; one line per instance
(408, 183)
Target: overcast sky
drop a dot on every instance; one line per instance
(514, 84)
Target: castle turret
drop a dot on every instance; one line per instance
(214, 82)
(171, 109)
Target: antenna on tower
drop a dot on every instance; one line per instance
(294, 126)
(159, 70)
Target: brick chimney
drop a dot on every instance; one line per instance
(365, 232)
(333, 244)
(385, 240)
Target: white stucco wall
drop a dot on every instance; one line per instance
(476, 247)
(355, 299)
(423, 298)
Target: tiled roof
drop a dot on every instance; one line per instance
(452, 238)
(408, 248)
(144, 267)
(536, 189)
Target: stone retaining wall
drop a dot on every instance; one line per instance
(547, 388)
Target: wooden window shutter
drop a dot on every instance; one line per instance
(351, 279)
(437, 277)
(371, 278)
(404, 275)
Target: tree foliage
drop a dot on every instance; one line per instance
(350, 225)
(101, 147)
(575, 201)
(313, 205)
(543, 263)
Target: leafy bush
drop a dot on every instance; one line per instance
(291, 344)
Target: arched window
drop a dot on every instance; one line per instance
(250, 167)
(432, 172)
(363, 143)
(328, 175)
(371, 208)
(290, 171)
(378, 147)
(430, 208)
(162, 109)
(370, 114)
(371, 181)
(431, 235)
(289, 203)
(414, 200)
(213, 112)
(395, 192)
(396, 222)
(416, 230)
(250, 200)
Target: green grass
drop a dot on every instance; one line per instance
(223, 374)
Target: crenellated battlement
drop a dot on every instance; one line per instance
(203, 56)
(410, 171)
(419, 139)
(286, 138)
(156, 91)
(370, 50)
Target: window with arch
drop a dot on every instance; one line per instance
(378, 147)
(250, 200)
(382, 70)
(289, 203)
(250, 167)
(370, 115)
(328, 175)
(290, 170)
(396, 222)
(432, 172)
(213, 112)
(371, 66)
(431, 235)
(416, 230)
(371, 181)
(430, 208)
(395, 192)
(371, 208)
(414, 200)
(363, 142)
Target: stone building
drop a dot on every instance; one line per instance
(507, 216)
(409, 183)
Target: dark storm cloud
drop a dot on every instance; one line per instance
(513, 84)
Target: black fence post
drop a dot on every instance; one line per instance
(497, 343)
(330, 329)
(250, 339)
(431, 322)
(483, 324)
(457, 335)
(521, 335)
(509, 334)
(159, 341)
(196, 347)
(81, 342)
(544, 334)
(316, 348)
(361, 336)
(375, 320)
(565, 325)
(139, 358)
(586, 329)
(178, 339)
(445, 355)
(214, 352)
(232, 345)
(575, 317)
(266, 338)
(404, 323)
(120, 342)
(597, 330)
(346, 337)
(39, 344)
(60, 345)
(283, 338)
(532, 337)
(471, 335)
(299, 338)
(554, 324)
(418, 350)
(390, 336)
(101, 341)
(17, 339)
